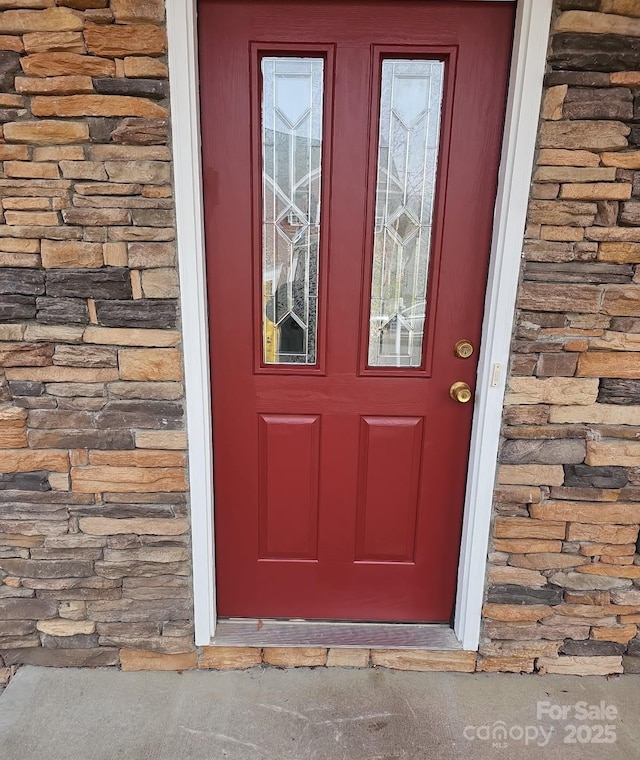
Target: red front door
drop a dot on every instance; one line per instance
(350, 164)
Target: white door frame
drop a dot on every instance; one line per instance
(521, 125)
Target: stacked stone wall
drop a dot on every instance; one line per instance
(564, 577)
(94, 532)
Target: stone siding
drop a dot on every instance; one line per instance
(94, 531)
(564, 575)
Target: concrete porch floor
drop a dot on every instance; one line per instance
(303, 714)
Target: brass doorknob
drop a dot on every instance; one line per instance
(460, 392)
(463, 349)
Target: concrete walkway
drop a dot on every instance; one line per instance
(302, 714)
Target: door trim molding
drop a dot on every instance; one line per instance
(528, 60)
(187, 168)
(521, 125)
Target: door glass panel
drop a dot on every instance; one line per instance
(292, 95)
(410, 108)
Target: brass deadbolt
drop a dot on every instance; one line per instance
(460, 392)
(463, 349)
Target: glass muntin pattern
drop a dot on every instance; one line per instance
(292, 145)
(408, 146)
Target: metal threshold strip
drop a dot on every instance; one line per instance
(246, 632)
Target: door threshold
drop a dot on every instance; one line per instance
(247, 632)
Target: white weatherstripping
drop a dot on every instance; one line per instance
(529, 56)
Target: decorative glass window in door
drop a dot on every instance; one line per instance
(410, 108)
(292, 106)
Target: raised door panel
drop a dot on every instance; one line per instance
(388, 481)
(289, 448)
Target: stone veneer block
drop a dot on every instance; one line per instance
(96, 105)
(62, 374)
(518, 494)
(518, 613)
(136, 659)
(609, 364)
(612, 570)
(170, 391)
(139, 526)
(348, 658)
(72, 334)
(128, 479)
(27, 282)
(516, 576)
(113, 282)
(620, 513)
(150, 364)
(520, 649)
(597, 414)
(625, 160)
(295, 657)
(581, 666)
(120, 41)
(621, 453)
(553, 101)
(144, 313)
(562, 213)
(25, 354)
(229, 658)
(8, 42)
(536, 296)
(68, 254)
(584, 135)
(524, 527)
(46, 132)
(27, 609)
(138, 458)
(576, 581)
(621, 634)
(597, 23)
(161, 440)
(526, 545)
(543, 452)
(138, 11)
(623, 392)
(42, 42)
(547, 560)
(48, 20)
(60, 85)
(615, 191)
(94, 657)
(66, 64)
(560, 157)
(61, 311)
(124, 336)
(581, 174)
(552, 390)
(609, 533)
(514, 594)
(22, 460)
(505, 664)
(143, 66)
(66, 627)
(424, 660)
(531, 474)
